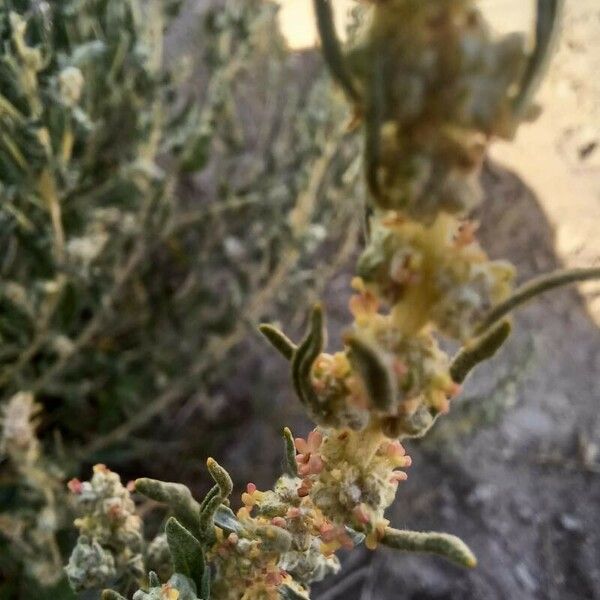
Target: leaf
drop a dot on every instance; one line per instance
(186, 551)
(177, 496)
(278, 340)
(291, 466)
(205, 585)
(303, 360)
(221, 477)
(443, 544)
(547, 28)
(378, 379)
(195, 156)
(225, 518)
(478, 350)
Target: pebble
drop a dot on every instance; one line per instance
(570, 523)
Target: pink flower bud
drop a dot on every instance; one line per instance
(75, 486)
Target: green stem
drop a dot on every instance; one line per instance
(535, 287)
(374, 117)
(332, 51)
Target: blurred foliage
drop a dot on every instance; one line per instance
(483, 409)
(146, 223)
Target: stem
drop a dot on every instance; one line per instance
(546, 34)
(535, 287)
(374, 117)
(332, 51)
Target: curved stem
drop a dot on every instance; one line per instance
(546, 33)
(332, 52)
(535, 287)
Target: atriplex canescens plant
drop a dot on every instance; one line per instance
(127, 276)
(430, 87)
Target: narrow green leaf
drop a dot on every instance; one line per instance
(177, 496)
(331, 49)
(205, 585)
(186, 551)
(278, 340)
(195, 156)
(291, 466)
(379, 381)
(225, 518)
(302, 362)
(478, 350)
(221, 477)
(547, 27)
(443, 544)
(212, 493)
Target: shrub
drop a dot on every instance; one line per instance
(144, 224)
(431, 87)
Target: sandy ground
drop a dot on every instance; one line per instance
(559, 154)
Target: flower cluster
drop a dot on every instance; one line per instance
(283, 541)
(111, 543)
(432, 88)
(434, 274)
(436, 87)
(351, 478)
(178, 587)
